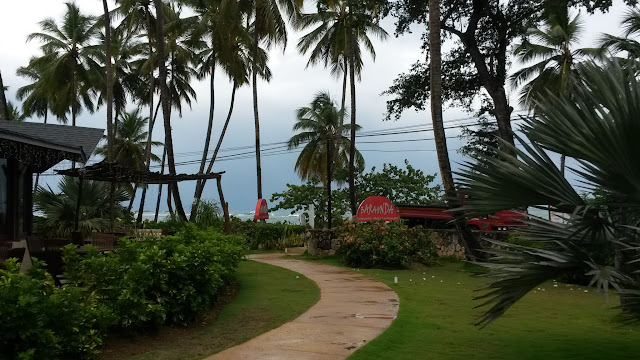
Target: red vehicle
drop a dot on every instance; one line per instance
(437, 217)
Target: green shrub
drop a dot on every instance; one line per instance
(268, 235)
(166, 280)
(383, 244)
(41, 321)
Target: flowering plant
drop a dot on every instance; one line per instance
(378, 243)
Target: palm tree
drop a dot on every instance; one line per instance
(129, 146)
(631, 26)
(165, 98)
(596, 124)
(35, 98)
(268, 28)
(469, 242)
(318, 126)
(14, 113)
(67, 75)
(556, 62)
(180, 64)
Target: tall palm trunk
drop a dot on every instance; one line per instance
(166, 106)
(152, 122)
(352, 147)
(342, 110)
(329, 179)
(35, 183)
(219, 144)
(207, 141)
(468, 240)
(133, 198)
(254, 81)
(164, 157)
(109, 100)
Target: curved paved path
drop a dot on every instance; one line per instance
(353, 309)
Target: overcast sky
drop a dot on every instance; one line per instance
(292, 86)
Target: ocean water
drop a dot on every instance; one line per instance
(274, 216)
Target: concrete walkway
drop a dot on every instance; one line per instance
(353, 309)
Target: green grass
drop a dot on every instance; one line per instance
(436, 321)
(268, 297)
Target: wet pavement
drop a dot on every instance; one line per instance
(353, 309)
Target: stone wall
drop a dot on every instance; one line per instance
(321, 242)
(449, 245)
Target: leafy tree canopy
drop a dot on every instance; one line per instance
(480, 33)
(400, 185)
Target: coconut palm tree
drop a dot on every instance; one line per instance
(35, 97)
(165, 98)
(130, 144)
(181, 59)
(555, 60)
(318, 126)
(342, 29)
(67, 75)
(469, 242)
(14, 113)
(631, 28)
(268, 29)
(126, 50)
(598, 125)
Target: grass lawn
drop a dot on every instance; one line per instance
(436, 321)
(268, 296)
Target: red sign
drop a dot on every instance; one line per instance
(377, 208)
(262, 210)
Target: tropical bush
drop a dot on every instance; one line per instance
(269, 236)
(42, 321)
(59, 208)
(380, 244)
(166, 280)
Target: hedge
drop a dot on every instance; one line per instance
(140, 286)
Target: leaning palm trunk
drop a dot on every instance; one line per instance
(469, 242)
(133, 198)
(164, 157)
(166, 107)
(200, 189)
(207, 141)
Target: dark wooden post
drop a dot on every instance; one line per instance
(225, 206)
(76, 220)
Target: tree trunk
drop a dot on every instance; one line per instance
(164, 156)
(225, 207)
(152, 122)
(200, 189)
(435, 54)
(4, 109)
(166, 106)
(352, 147)
(254, 79)
(502, 112)
(329, 161)
(207, 140)
(342, 110)
(563, 160)
(133, 198)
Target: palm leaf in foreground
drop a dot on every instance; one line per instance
(598, 125)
